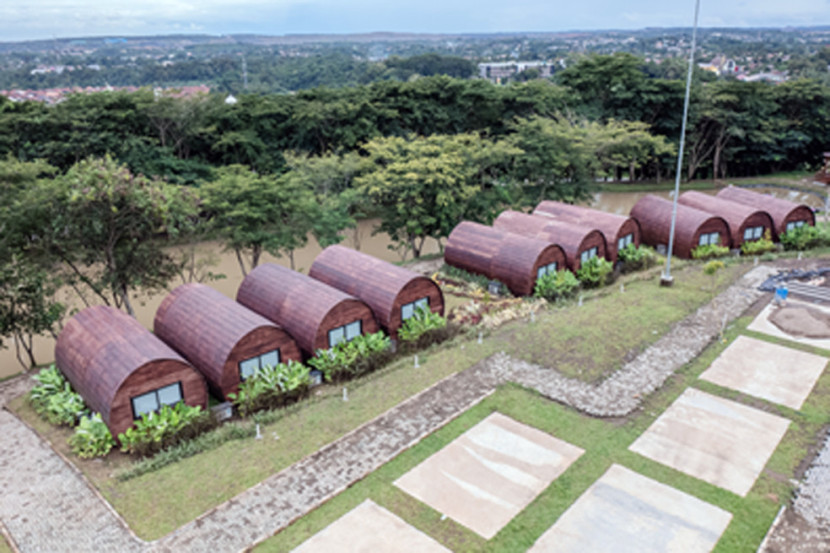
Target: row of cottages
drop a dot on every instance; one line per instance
(730, 218)
(520, 248)
(203, 339)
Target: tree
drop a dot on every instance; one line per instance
(27, 306)
(105, 229)
(423, 187)
(255, 213)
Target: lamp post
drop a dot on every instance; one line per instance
(666, 278)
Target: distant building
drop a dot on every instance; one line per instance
(499, 71)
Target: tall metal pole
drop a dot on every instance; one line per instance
(666, 278)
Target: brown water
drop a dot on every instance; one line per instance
(226, 264)
(360, 238)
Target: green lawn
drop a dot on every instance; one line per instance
(4, 545)
(157, 503)
(591, 341)
(605, 442)
(794, 178)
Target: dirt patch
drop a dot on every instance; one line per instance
(801, 321)
(793, 534)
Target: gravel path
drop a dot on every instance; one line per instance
(74, 519)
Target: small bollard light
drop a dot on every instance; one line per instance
(580, 301)
(755, 263)
(258, 432)
(533, 316)
(799, 256)
(480, 336)
(417, 365)
(345, 394)
(622, 288)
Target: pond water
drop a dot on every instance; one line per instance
(361, 238)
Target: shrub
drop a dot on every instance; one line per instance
(54, 400)
(633, 258)
(713, 267)
(595, 272)
(272, 387)
(557, 285)
(709, 251)
(169, 426)
(461, 274)
(803, 238)
(92, 438)
(757, 247)
(347, 360)
(183, 450)
(422, 321)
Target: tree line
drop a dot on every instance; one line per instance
(95, 189)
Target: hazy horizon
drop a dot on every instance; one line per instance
(50, 19)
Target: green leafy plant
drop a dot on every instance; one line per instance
(347, 360)
(92, 438)
(757, 247)
(54, 400)
(711, 269)
(271, 387)
(636, 258)
(803, 238)
(556, 286)
(421, 322)
(709, 251)
(595, 272)
(170, 425)
(424, 329)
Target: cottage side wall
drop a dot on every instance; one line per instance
(152, 376)
(345, 312)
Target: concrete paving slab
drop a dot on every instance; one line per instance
(763, 325)
(626, 512)
(776, 373)
(369, 528)
(717, 440)
(490, 473)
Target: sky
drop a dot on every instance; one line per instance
(43, 19)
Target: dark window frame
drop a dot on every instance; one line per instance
(158, 401)
(414, 305)
(259, 357)
(343, 327)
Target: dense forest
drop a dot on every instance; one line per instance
(92, 189)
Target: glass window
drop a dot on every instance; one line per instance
(170, 395)
(714, 238)
(270, 359)
(408, 310)
(588, 254)
(248, 367)
(546, 269)
(748, 234)
(758, 233)
(145, 403)
(625, 241)
(352, 331)
(336, 335)
(703, 240)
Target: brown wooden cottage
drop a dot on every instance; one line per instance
(393, 293)
(121, 369)
(513, 259)
(745, 223)
(222, 339)
(578, 242)
(785, 215)
(693, 228)
(619, 231)
(315, 314)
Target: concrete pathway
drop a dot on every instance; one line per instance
(54, 509)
